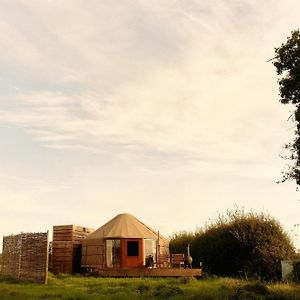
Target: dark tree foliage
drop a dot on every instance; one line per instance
(287, 64)
(180, 240)
(239, 244)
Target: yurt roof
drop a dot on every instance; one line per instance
(124, 226)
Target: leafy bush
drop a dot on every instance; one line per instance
(239, 244)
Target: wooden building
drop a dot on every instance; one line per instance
(66, 248)
(123, 243)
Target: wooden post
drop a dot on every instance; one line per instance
(47, 258)
(20, 236)
(158, 251)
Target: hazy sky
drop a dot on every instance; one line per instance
(167, 110)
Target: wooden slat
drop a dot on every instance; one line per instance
(66, 247)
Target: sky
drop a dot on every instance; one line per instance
(168, 110)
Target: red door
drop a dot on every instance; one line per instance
(132, 253)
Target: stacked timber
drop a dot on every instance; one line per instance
(34, 257)
(66, 248)
(25, 256)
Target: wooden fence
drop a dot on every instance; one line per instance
(25, 256)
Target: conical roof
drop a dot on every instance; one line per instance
(124, 226)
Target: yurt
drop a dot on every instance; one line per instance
(123, 242)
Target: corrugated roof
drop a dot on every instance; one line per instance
(124, 226)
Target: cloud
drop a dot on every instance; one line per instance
(23, 194)
(142, 82)
(109, 106)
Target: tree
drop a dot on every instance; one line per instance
(239, 244)
(287, 64)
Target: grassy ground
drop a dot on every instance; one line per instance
(80, 288)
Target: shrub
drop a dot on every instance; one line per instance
(180, 240)
(239, 244)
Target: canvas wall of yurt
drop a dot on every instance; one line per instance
(123, 242)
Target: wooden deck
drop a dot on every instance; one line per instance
(155, 272)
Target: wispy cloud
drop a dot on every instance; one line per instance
(160, 85)
(168, 79)
(149, 100)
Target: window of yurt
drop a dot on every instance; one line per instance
(132, 248)
(150, 249)
(113, 253)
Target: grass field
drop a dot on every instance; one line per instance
(80, 288)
